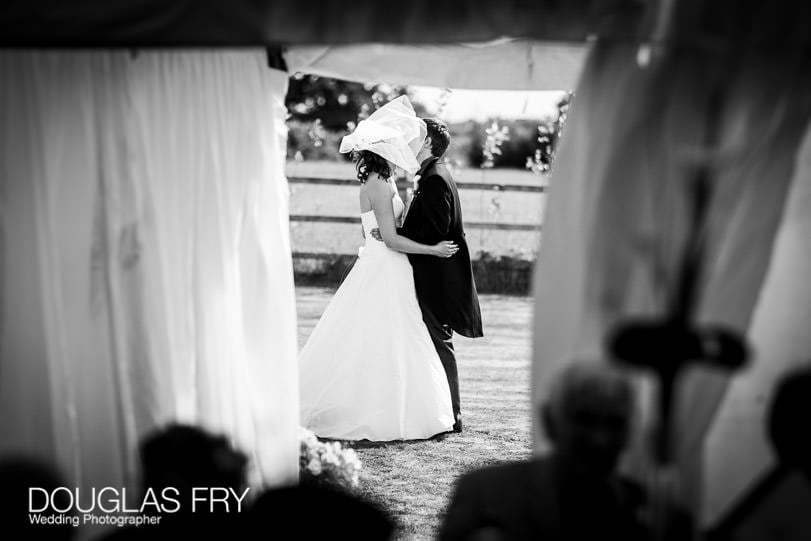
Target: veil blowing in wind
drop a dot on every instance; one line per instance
(394, 132)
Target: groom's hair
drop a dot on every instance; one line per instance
(439, 134)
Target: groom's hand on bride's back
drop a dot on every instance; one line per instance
(376, 234)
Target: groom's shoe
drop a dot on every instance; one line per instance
(457, 426)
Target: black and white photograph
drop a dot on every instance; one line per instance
(389, 271)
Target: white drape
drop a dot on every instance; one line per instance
(498, 65)
(617, 213)
(147, 272)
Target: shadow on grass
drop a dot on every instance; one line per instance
(368, 444)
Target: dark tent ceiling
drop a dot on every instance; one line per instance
(162, 23)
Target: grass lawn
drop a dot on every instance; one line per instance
(414, 480)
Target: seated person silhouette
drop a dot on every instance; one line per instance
(17, 475)
(312, 512)
(573, 493)
(778, 507)
(184, 457)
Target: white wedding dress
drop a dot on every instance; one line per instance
(369, 369)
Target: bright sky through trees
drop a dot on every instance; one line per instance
(480, 105)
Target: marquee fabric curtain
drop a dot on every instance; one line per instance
(618, 211)
(501, 64)
(147, 273)
(779, 335)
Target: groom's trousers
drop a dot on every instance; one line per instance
(441, 336)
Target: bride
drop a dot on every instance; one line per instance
(369, 369)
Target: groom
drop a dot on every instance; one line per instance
(445, 288)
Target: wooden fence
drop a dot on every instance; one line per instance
(509, 274)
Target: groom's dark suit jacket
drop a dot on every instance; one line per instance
(444, 286)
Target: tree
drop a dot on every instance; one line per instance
(548, 136)
(336, 103)
(322, 110)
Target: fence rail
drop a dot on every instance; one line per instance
(502, 274)
(485, 186)
(469, 225)
(491, 186)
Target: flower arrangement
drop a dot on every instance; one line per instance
(327, 463)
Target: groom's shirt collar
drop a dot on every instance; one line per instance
(426, 163)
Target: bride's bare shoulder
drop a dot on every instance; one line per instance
(374, 184)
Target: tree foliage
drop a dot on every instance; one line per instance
(337, 104)
(322, 110)
(548, 136)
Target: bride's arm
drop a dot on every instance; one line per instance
(380, 196)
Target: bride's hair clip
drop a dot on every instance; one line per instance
(367, 162)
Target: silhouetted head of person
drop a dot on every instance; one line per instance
(17, 475)
(184, 457)
(287, 513)
(788, 420)
(588, 418)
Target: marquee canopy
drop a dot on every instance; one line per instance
(499, 65)
(245, 22)
(166, 23)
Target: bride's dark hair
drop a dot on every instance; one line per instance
(367, 162)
